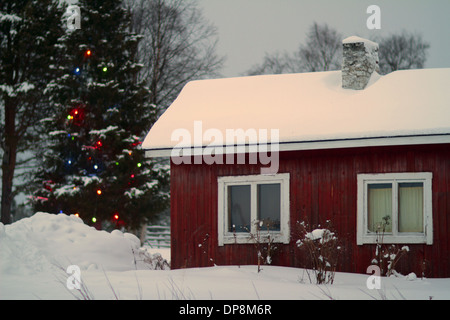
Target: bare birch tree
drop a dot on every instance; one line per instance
(321, 52)
(402, 51)
(178, 45)
(276, 63)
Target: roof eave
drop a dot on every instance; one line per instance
(323, 144)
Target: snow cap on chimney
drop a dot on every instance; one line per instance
(359, 61)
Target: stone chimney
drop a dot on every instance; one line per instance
(359, 61)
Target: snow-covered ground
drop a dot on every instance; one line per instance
(35, 253)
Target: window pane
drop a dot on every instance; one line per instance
(269, 203)
(410, 207)
(239, 208)
(379, 207)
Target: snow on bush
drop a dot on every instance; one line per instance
(387, 256)
(322, 247)
(49, 242)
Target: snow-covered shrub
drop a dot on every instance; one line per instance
(151, 261)
(263, 242)
(204, 246)
(323, 249)
(386, 256)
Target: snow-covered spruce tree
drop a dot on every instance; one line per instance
(93, 165)
(29, 33)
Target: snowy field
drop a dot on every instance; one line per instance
(35, 253)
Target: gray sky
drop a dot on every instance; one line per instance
(250, 28)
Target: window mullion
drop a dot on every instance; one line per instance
(395, 208)
(253, 206)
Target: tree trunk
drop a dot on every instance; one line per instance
(9, 161)
(8, 166)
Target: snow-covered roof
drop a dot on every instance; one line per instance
(311, 110)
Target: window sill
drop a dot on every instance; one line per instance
(275, 237)
(398, 239)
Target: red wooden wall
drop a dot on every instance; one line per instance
(323, 186)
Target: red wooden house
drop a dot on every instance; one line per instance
(348, 146)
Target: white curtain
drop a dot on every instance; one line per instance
(379, 206)
(410, 207)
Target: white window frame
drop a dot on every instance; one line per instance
(364, 236)
(226, 237)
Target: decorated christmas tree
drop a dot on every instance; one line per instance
(93, 165)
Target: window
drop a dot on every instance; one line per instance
(397, 205)
(247, 203)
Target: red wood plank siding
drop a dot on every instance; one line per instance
(323, 186)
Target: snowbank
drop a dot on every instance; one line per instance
(46, 242)
(32, 251)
